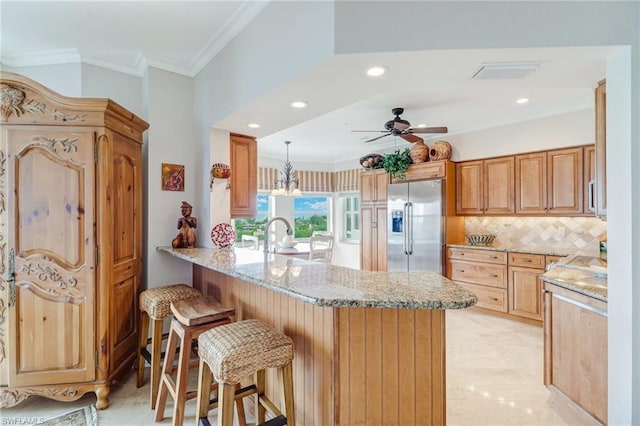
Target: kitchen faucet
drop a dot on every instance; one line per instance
(266, 231)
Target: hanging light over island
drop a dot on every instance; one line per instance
(288, 184)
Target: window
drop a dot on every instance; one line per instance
(255, 225)
(350, 217)
(310, 214)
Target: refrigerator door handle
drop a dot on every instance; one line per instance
(405, 227)
(410, 227)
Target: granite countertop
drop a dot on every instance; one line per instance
(582, 274)
(551, 251)
(327, 285)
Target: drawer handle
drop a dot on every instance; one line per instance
(460, 270)
(494, 276)
(528, 260)
(494, 299)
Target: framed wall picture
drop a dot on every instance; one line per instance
(172, 177)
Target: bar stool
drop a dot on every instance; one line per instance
(234, 351)
(154, 304)
(191, 318)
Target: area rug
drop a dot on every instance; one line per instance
(87, 416)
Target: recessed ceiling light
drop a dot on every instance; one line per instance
(254, 125)
(522, 101)
(376, 71)
(299, 104)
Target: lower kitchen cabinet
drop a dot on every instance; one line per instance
(525, 287)
(575, 350)
(484, 272)
(506, 282)
(373, 237)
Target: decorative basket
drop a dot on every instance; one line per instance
(220, 171)
(372, 161)
(481, 239)
(440, 150)
(419, 152)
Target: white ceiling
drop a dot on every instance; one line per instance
(434, 87)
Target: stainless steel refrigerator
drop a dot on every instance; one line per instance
(415, 226)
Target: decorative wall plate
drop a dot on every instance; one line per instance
(223, 235)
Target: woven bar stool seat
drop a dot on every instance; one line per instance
(234, 351)
(155, 306)
(191, 318)
(156, 302)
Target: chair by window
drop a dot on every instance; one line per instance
(322, 234)
(321, 248)
(251, 241)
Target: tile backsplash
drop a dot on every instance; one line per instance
(575, 234)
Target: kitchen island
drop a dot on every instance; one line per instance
(369, 346)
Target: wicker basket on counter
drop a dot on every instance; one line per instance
(481, 239)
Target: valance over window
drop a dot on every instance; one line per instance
(313, 181)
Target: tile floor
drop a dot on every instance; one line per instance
(494, 377)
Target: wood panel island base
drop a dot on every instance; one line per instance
(369, 346)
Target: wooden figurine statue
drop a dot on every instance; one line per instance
(187, 224)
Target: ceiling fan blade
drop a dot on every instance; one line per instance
(411, 138)
(428, 130)
(379, 137)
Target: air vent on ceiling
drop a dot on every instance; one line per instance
(505, 70)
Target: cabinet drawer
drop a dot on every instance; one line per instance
(488, 297)
(478, 273)
(489, 256)
(526, 260)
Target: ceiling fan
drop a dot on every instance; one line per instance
(402, 128)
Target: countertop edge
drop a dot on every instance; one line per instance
(575, 287)
(458, 303)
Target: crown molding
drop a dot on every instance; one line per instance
(49, 57)
(234, 25)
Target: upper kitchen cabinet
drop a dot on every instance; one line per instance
(565, 181)
(373, 186)
(373, 220)
(550, 182)
(485, 187)
(601, 150)
(244, 175)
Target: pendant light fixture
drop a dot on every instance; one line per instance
(288, 183)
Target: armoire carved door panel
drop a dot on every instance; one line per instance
(51, 247)
(126, 175)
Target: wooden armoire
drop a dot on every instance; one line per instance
(70, 242)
